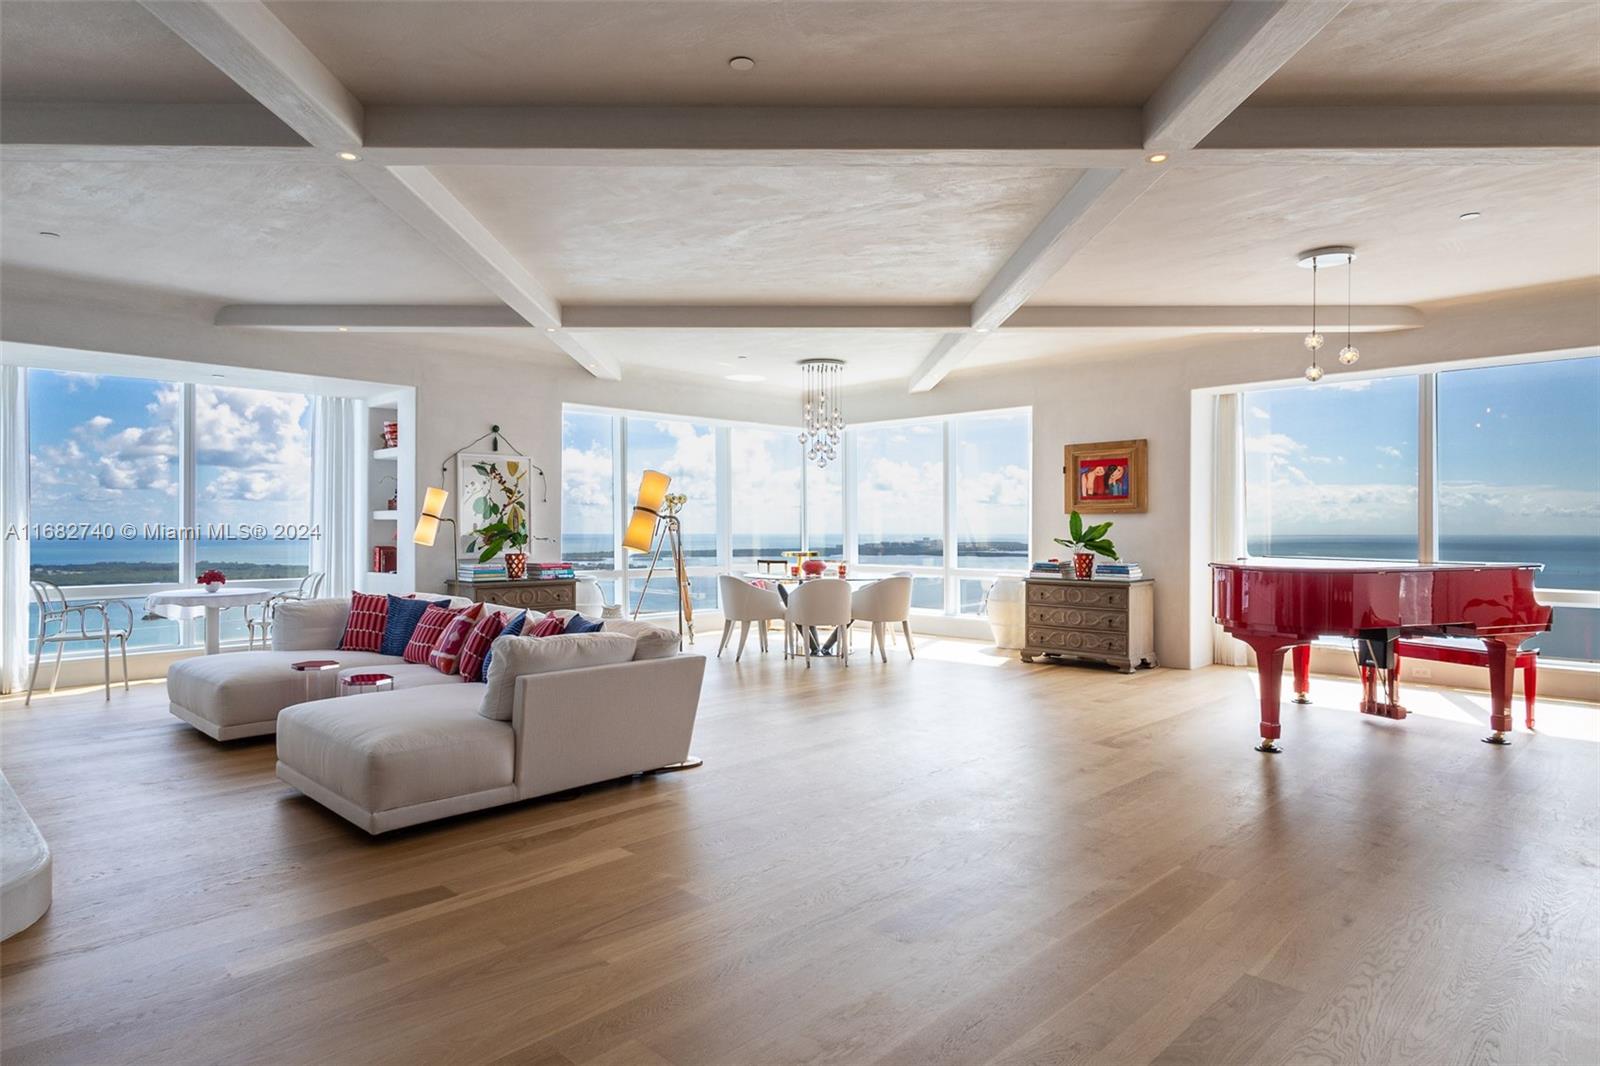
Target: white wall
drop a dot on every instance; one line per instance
(465, 384)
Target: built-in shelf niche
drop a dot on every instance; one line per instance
(389, 473)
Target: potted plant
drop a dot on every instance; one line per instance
(507, 525)
(1085, 543)
(213, 580)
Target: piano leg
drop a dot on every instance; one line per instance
(1269, 665)
(1302, 673)
(1502, 673)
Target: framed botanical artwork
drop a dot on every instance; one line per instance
(491, 491)
(1107, 477)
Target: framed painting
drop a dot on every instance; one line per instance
(1107, 477)
(490, 487)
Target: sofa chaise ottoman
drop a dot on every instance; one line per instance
(394, 759)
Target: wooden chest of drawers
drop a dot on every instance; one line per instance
(533, 595)
(1098, 621)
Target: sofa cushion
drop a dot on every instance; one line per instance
(513, 628)
(476, 650)
(364, 630)
(446, 651)
(406, 675)
(548, 626)
(246, 687)
(579, 624)
(398, 749)
(404, 614)
(654, 642)
(515, 656)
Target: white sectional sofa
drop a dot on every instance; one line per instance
(423, 751)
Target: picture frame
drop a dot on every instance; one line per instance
(1107, 477)
(478, 499)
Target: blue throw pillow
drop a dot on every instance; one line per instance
(513, 628)
(579, 624)
(404, 614)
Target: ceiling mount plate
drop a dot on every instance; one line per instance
(1334, 255)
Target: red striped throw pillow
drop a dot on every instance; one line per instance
(478, 643)
(364, 630)
(429, 628)
(446, 651)
(548, 626)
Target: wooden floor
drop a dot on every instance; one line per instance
(959, 860)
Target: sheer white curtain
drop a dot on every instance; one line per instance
(335, 510)
(14, 594)
(1227, 505)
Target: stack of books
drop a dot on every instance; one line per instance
(1048, 568)
(1118, 571)
(469, 569)
(550, 572)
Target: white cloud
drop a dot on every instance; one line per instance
(1389, 450)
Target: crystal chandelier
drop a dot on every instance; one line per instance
(821, 417)
(1313, 260)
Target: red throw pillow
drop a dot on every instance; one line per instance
(364, 630)
(447, 649)
(429, 627)
(478, 643)
(548, 626)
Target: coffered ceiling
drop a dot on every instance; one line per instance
(920, 187)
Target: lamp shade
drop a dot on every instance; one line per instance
(641, 530)
(427, 530)
(652, 491)
(433, 504)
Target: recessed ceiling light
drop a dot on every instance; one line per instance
(742, 63)
(48, 233)
(745, 377)
(980, 329)
(1157, 157)
(349, 157)
(550, 329)
(344, 329)
(1468, 216)
(216, 375)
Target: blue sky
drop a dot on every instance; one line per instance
(1519, 452)
(105, 449)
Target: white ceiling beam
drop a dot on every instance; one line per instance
(1097, 197)
(372, 318)
(614, 318)
(1400, 132)
(1486, 134)
(1244, 47)
(245, 40)
(417, 196)
(950, 352)
(1249, 319)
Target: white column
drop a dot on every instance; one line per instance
(14, 592)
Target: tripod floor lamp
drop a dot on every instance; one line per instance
(654, 526)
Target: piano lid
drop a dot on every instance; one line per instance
(1364, 566)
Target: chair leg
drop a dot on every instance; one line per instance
(123, 640)
(844, 646)
(881, 631)
(105, 659)
(38, 650)
(60, 647)
(744, 635)
(910, 647)
(727, 631)
(761, 635)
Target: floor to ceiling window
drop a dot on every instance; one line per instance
(945, 499)
(109, 489)
(1333, 470)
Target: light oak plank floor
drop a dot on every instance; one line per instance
(962, 859)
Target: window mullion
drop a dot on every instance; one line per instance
(1428, 468)
(187, 492)
(952, 596)
(847, 497)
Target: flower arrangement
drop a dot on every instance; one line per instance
(1085, 542)
(213, 580)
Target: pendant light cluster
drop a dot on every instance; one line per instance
(821, 416)
(1314, 260)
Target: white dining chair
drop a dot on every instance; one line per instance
(742, 602)
(822, 601)
(884, 603)
(72, 623)
(308, 588)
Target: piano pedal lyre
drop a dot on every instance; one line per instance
(1389, 706)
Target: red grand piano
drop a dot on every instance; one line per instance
(1274, 604)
